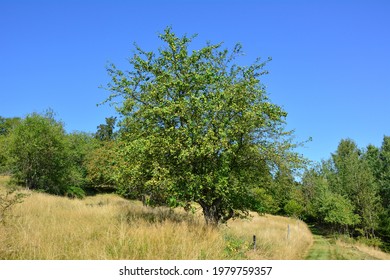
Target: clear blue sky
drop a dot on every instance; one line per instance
(330, 69)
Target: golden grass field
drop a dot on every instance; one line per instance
(107, 226)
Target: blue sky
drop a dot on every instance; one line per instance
(329, 69)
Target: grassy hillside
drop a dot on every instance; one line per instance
(109, 227)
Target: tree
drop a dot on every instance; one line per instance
(80, 146)
(101, 164)
(384, 171)
(3, 154)
(6, 126)
(383, 177)
(38, 153)
(195, 126)
(355, 180)
(282, 188)
(337, 210)
(105, 131)
(324, 205)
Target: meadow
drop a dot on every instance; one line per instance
(106, 226)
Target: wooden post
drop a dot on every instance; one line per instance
(254, 242)
(288, 231)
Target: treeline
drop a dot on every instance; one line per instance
(350, 192)
(38, 153)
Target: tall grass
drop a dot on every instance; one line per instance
(48, 227)
(109, 227)
(277, 238)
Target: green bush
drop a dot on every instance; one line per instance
(235, 247)
(374, 241)
(75, 192)
(293, 208)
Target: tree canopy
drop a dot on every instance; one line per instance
(37, 150)
(196, 127)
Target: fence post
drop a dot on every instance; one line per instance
(288, 231)
(254, 242)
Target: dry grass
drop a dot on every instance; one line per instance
(373, 252)
(349, 249)
(277, 238)
(48, 227)
(109, 227)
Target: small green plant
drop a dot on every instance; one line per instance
(235, 247)
(75, 192)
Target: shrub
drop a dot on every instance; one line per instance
(75, 192)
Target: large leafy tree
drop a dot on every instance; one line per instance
(196, 127)
(105, 132)
(322, 203)
(355, 180)
(38, 153)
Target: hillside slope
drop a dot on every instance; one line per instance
(110, 227)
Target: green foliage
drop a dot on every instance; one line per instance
(195, 125)
(75, 192)
(343, 191)
(266, 202)
(337, 210)
(80, 146)
(37, 151)
(383, 178)
(105, 132)
(6, 126)
(356, 181)
(324, 205)
(101, 165)
(293, 208)
(236, 247)
(282, 187)
(373, 242)
(3, 154)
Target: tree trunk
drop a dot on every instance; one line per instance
(210, 214)
(215, 213)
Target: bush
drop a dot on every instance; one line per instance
(75, 192)
(293, 208)
(373, 242)
(38, 154)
